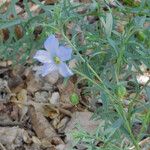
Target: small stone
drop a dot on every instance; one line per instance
(55, 98)
(9, 63)
(60, 147)
(12, 137)
(3, 63)
(100, 100)
(52, 78)
(18, 9)
(47, 87)
(142, 79)
(41, 96)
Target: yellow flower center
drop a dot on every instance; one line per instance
(56, 60)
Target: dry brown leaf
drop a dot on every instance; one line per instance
(55, 121)
(15, 113)
(84, 120)
(50, 112)
(36, 140)
(66, 91)
(22, 97)
(62, 124)
(34, 84)
(5, 93)
(15, 81)
(8, 112)
(41, 126)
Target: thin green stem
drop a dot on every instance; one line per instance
(104, 88)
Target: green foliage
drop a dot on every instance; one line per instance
(107, 49)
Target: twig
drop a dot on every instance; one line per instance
(66, 112)
(142, 143)
(1, 146)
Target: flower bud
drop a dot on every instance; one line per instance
(74, 98)
(121, 91)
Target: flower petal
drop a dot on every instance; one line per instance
(42, 56)
(64, 70)
(51, 44)
(47, 68)
(64, 53)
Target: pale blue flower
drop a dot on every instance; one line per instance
(54, 57)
